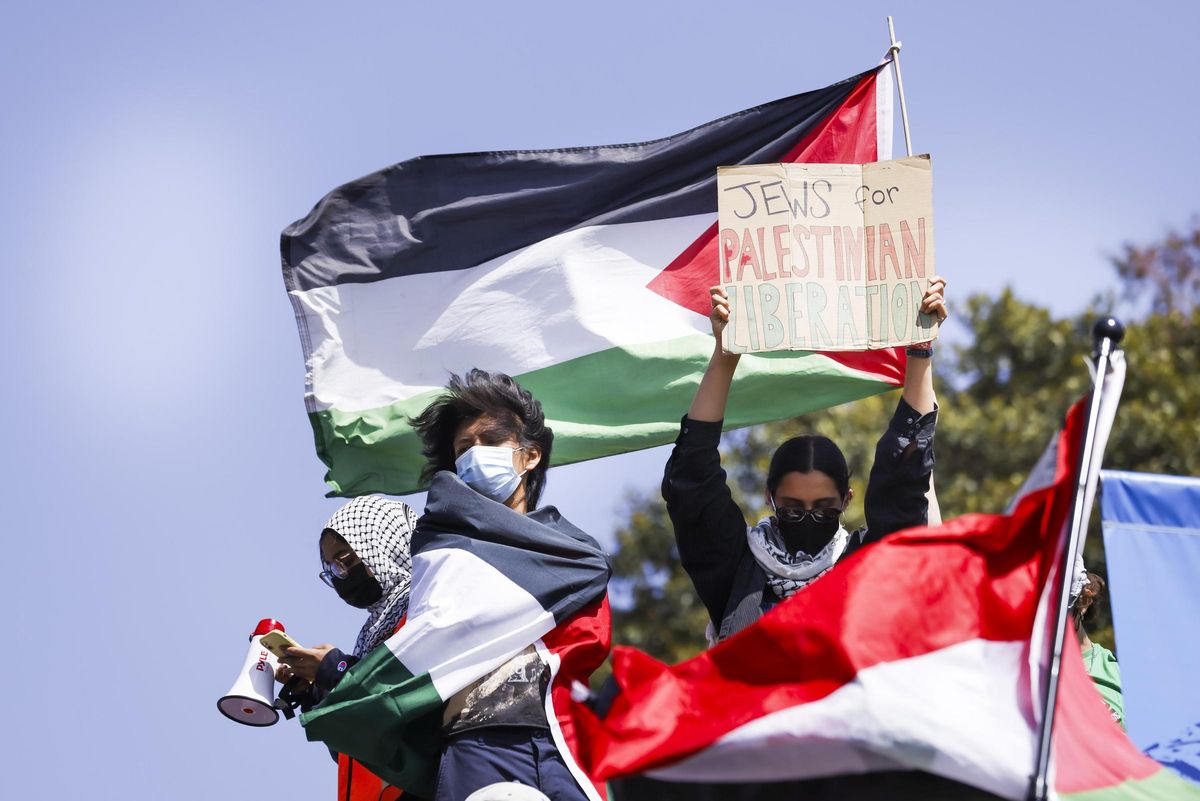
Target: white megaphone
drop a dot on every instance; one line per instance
(249, 699)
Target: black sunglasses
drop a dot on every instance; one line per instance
(797, 514)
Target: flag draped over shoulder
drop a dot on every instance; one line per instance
(924, 652)
(583, 272)
(487, 583)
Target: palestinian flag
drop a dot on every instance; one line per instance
(924, 652)
(583, 272)
(487, 584)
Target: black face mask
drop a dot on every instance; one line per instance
(808, 535)
(359, 588)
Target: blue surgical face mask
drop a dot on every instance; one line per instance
(488, 469)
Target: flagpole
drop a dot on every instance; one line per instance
(894, 52)
(1106, 334)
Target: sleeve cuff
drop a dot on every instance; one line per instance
(699, 433)
(333, 666)
(909, 424)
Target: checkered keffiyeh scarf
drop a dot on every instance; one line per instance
(380, 531)
(786, 572)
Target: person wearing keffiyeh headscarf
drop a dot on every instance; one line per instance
(366, 559)
(379, 531)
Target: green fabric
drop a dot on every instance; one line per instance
(1163, 785)
(386, 718)
(1102, 666)
(613, 401)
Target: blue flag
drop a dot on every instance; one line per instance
(1151, 526)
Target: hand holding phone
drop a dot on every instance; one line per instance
(302, 662)
(277, 643)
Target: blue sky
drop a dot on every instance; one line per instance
(162, 489)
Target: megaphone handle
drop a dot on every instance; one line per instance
(295, 692)
(285, 708)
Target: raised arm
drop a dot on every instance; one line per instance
(710, 530)
(900, 490)
(918, 372)
(712, 395)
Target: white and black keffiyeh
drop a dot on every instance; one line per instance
(380, 532)
(787, 573)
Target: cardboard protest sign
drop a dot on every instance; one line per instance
(826, 256)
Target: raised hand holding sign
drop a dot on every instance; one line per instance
(826, 256)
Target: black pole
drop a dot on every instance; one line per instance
(1106, 334)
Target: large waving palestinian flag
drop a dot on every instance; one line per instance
(583, 272)
(487, 584)
(923, 654)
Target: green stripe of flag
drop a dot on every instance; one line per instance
(386, 718)
(1163, 785)
(604, 403)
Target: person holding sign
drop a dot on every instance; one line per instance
(741, 571)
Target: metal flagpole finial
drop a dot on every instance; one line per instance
(1107, 334)
(1109, 328)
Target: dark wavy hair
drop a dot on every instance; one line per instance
(469, 397)
(806, 454)
(1084, 605)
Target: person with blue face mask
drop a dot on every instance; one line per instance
(487, 448)
(492, 434)
(491, 470)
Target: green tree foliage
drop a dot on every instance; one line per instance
(1158, 425)
(1002, 396)
(655, 606)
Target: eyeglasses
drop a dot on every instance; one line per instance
(339, 568)
(797, 514)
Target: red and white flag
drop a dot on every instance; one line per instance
(924, 652)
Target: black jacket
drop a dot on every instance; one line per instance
(710, 529)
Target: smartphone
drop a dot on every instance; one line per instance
(277, 643)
